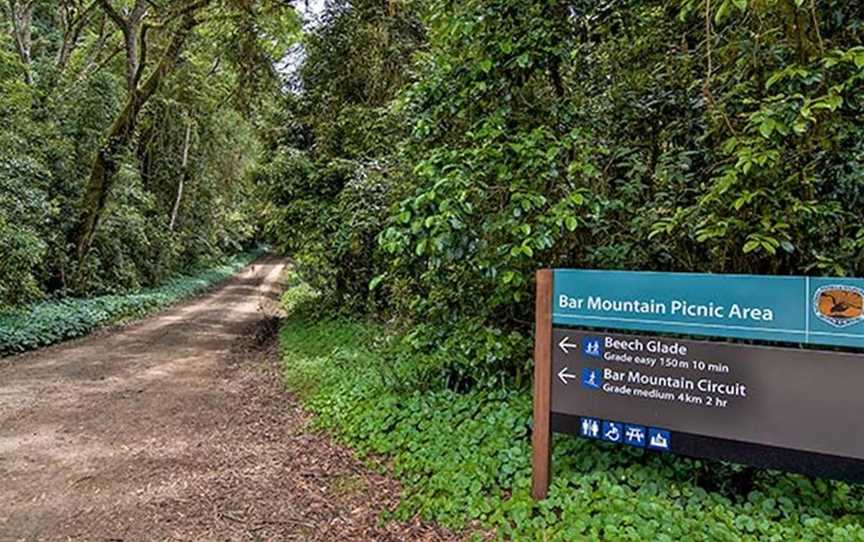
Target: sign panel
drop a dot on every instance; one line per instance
(786, 408)
(807, 310)
(642, 390)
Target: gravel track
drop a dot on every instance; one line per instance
(178, 428)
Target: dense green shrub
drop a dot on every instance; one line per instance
(674, 135)
(329, 183)
(49, 322)
(22, 251)
(465, 457)
(26, 214)
(592, 136)
(327, 215)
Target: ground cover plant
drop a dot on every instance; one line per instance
(48, 322)
(464, 457)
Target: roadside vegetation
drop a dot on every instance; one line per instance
(129, 133)
(48, 322)
(464, 456)
(433, 155)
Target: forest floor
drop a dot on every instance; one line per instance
(178, 428)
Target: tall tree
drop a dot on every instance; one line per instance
(72, 17)
(176, 24)
(259, 30)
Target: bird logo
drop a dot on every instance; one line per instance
(839, 305)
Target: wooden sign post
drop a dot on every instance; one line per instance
(541, 439)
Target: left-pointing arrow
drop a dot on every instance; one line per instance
(564, 376)
(565, 345)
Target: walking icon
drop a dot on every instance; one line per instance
(612, 432)
(590, 428)
(659, 439)
(591, 347)
(634, 435)
(592, 378)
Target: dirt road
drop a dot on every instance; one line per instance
(177, 428)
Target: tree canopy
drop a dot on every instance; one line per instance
(129, 129)
(439, 152)
(420, 160)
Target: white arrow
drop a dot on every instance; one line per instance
(565, 344)
(564, 375)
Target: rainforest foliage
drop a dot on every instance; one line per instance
(434, 154)
(128, 131)
(419, 160)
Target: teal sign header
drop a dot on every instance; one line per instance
(807, 310)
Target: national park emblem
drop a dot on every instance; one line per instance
(838, 305)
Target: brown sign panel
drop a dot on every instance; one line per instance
(804, 400)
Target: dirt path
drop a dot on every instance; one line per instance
(177, 428)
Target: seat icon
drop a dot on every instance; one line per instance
(634, 435)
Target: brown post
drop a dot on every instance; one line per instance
(541, 440)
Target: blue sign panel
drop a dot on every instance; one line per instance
(808, 310)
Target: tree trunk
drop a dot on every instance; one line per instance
(107, 160)
(130, 39)
(21, 17)
(183, 177)
(134, 31)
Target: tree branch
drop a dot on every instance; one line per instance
(142, 59)
(21, 17)
(709, 68)
(73, 24)
(195, 6)
(815, 18)
(87, 73)
(114, 15)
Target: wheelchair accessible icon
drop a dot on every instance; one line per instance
(613, 432)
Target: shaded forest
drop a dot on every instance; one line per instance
(129, 132)
(418, 161)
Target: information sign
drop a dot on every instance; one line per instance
(821, 311)
(778, 407)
